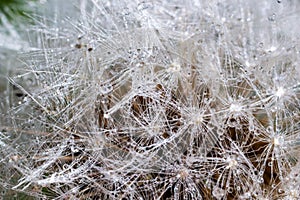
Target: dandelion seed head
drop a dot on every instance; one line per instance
(165, 100)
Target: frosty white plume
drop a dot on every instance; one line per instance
(160, 100)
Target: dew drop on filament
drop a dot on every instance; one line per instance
(105, 89)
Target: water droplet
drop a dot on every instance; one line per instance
(221, 137)
(220, 131)
(261, 173)
(261, 180)
(246, 195)
(280, 191)
(218, 193)
(25, 99)
(143, 6)
(105, 89)
(272, 18)
(232, 123)
(106, 115)
(229, 190)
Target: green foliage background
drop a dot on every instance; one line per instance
(15, 10)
